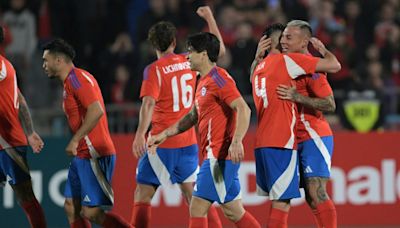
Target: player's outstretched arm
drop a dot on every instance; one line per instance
(263, 45)
(93, 114)
(325, 104)
(236, 150)
(145, 115)
(206, 13)
(26, 120)
(184, 124)
(329, 63)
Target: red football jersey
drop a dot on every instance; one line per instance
(172, 84)
(11, 132)
(277, 118)
(216, 120)
(311, 122)
(81, 90)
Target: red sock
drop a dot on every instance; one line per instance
(247, 220)
(198, 222)
(317, 218)
(114, 221)
(277, 218)
(35, 214)
(327, 214)
(141, 215)
(81, 223)
(213, 218)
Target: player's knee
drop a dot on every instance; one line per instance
(69, 208)
(144, 194)
(94, 214)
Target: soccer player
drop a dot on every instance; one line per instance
(223, 119)
(275, 153)
(312, 95)
(88, 186)
(167, 95)
(15, 128)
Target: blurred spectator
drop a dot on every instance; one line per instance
(323, 21)
(227, 20)
(120, 52)
(118, 89)
(245, 47)
(22, 26)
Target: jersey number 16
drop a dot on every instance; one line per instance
(186, 91)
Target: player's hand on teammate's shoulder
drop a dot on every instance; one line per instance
(236, 151)
(71, 149)
(204, 12)
(35, 142)
(263, 45)
(139, 146)
(318, 45)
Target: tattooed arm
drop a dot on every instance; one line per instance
(184, 124)
(25, 115)
(26, 120)
(326, 104)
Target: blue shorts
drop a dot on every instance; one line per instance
(90, 180)
(218, 181)
(277, 173)
(168, 166)
(14, 169)
(315, 157)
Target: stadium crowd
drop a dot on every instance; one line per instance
(110, 39)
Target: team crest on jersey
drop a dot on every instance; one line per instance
(203, 91)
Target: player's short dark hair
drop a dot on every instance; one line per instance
(270, 29)
(161, 35)
(1, 34)
(205, 41)
(60, 46)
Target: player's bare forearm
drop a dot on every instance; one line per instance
(243, 113)
(145, 115)
(326, 104)
(25, 115)
(184, 124)
(93, 114)
(252, 68)
(329, 63)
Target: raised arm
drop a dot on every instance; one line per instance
(263, 45)
(329, 62)
(184, 124)
(206, 13)
(145, 115)
(26, 120)
(236, 150)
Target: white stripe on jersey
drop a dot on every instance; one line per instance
(290, 143)
(158, 76)
(210, 154)
(88, 78)
(317, 140)
(3, 72)
(293, 68)
(16, 102)
(283, 182)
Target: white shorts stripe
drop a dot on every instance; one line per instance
(283, 182)
(318, 141)
(217, 175)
